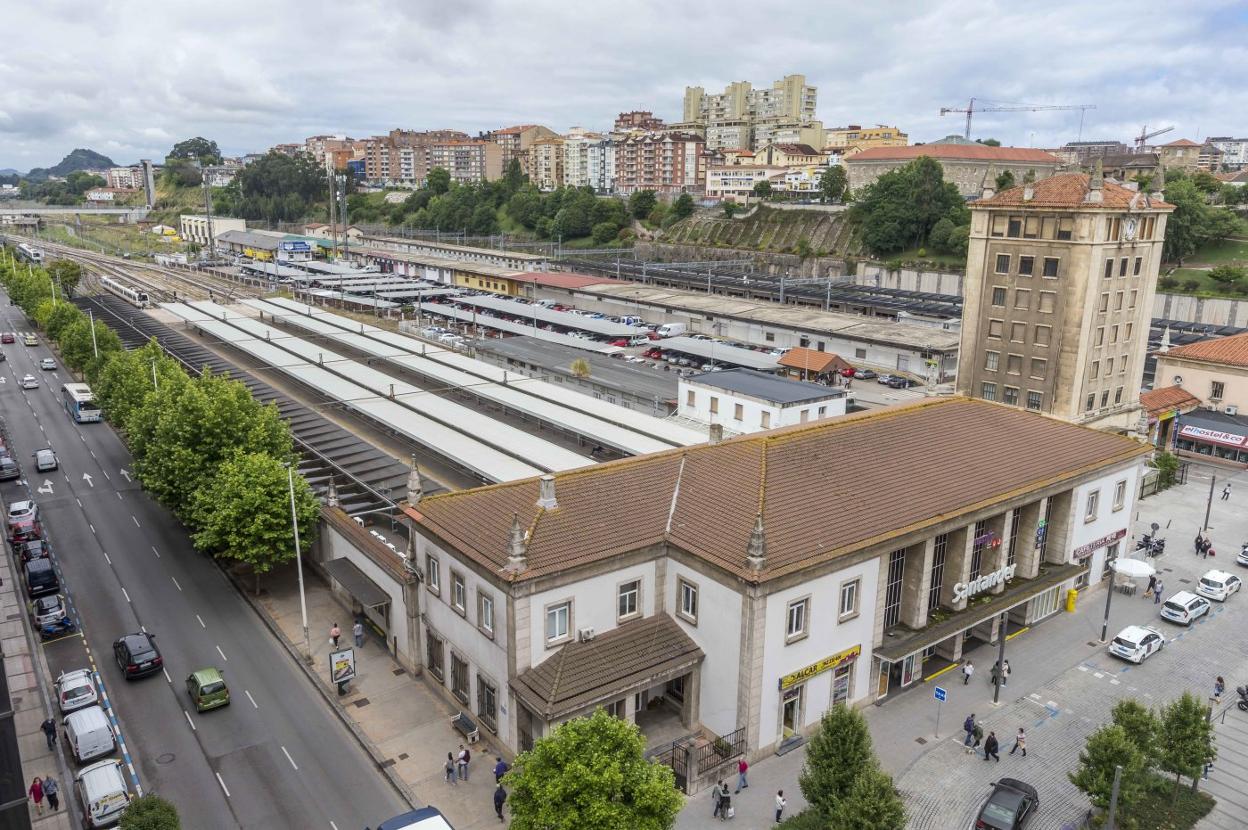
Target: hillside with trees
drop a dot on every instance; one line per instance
(76, 160)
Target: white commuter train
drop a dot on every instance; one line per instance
(134, 296)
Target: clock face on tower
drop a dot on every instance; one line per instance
(1128, 228)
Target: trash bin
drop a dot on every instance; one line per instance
(1071, 597)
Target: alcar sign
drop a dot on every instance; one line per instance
(966, 590)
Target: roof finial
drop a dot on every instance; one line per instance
(1159, 181)
(331, 494)
(415, 486)
(517, 547)
(1165, 341)
(989, 185)
(756, 550)
(1096, 184)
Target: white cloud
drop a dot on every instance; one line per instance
(134, 77)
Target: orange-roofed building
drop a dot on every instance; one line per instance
(968, 166)
(1215, 373)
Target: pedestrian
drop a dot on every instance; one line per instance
(500, 796)
(461, 762)
(1205, 546)
(991, 746)
(334, 633)
(449, 769)
(1020, 742)
(780, 804)
(742, 769)
(500, 769)
(1152, 579)
(358, 631)
(1157, 592)
(978, 734)
(49, 731)
(36, 795)
(1005, 672)
(968, 726)
(1219, 686)
(1200, 541)
(968, 669)
(994, 674)
(717, 798)
(52, 791)
(725, 803)
(1226, 492)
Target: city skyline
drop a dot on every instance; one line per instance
(128, 82)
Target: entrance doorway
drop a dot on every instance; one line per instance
(791, 713)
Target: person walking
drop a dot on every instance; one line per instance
(500, 769)
(449, 769)
(717, 798)
(334, 633)
(1020, 742)
(1205, 546)
(1200, 542)
(461, 762)
(978, 734)
(36, 795)
(1219, 686)
(968, 726)
(49, 731)
(500, 797)
(1226, 492)
(991, 747)
(1005, 672)
(725, 803)
(1152, 579)
(1157, 589)
(968, 669)
(742, 768)
(52, 791)
(357, 631)
(780, 805)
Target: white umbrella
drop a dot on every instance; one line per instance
(1133, 568)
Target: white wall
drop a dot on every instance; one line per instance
(1108, 520)
(752, 409)
(339, 547)
(718, 634)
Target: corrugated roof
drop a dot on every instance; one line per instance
(956, 152)
(1228, 351)
(825, 489)
(781, 390)
(1070, 190)
(1161, 400)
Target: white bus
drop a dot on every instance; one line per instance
(80, 403)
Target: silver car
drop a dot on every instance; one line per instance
(30, 382)
(47, 610)
(48, 364)
(76, 690)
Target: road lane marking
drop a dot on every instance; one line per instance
(254, 705)
(78, 500)
(107, 476)
(222, 653)
(91, 526)
(288, 758)
(223, 787)
(118, 494)
(136, 521)
(201, 621)
(333, 826)
(124, 594)
(92, 453)
(168, 679)
(155, 551)
(175, 582)
(106, 559)
(192, 723)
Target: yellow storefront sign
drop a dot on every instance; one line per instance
(826, 664)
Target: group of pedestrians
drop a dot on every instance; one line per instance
(357, 632)
(46, 787)
(975, 734)
(457, 769)
(720, 798)
(1000, 672)
(1204, 545)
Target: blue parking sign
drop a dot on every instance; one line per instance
(939, 693)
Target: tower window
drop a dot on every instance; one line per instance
(1003, 263)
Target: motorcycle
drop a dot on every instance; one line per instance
(1151, 545)
(1242, 703)
(50, 631)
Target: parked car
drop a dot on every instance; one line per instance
(1136, 643)
(102, 792)
(619, 341)
(20, 510)
(864, 374)
(9, 469)
(45, 460)
(137, 655)
(1218, 585)
(48, 609)
(848, 372)
(25, 530)
(1011, 805)
(88, 734)
(75, 690)
(48, 364)
(897, 382)
(207, 689)
(1184, 608)
(40, 578)
(30, 382)
(30, 549)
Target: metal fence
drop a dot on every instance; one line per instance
(693, 757)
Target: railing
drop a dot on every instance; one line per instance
(719, 750)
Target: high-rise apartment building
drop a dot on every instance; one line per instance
(474, 160)
(667, 163)
(516, 141)
(637, 121)
(545, 162)
(733, 116)
(1058, 297)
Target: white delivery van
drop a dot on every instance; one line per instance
(102, 793)
(88, 734)
(671, 330)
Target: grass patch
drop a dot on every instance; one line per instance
(910, 257)
(1204, 287)
(1160, 809)
(96, 233)
(1221, 253)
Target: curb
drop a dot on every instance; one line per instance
(400, 786)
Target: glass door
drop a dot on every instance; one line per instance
(881, 683)
(791, 713)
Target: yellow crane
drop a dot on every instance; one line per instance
(970, 109)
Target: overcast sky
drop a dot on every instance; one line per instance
(129, 78)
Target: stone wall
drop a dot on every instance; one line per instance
(909, 279)
(788, 264)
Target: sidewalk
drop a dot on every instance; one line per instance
(401, 723)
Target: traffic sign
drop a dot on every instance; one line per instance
(939, 693)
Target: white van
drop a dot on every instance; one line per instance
(102, 793)
(88, 734)
(671, 330)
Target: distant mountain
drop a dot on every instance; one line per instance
(7, 171)
(79, 159)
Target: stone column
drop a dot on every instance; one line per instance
(994, 557)
(915, 583)
(1057, 550)
(1027, 556)
(957, 565)
(693, 690)
(750, 672)
(951, 649)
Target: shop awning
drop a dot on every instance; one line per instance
(1214, 428)
(907, 642)
(356, 582)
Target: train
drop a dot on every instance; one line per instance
(30, 253)
(133, 296)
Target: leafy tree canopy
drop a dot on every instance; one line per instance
(1185, 738)
(196, 149)
(150, 812)
(902, 206)
(641, 203)
(1106, 748)
(838, 752)
(833, 183)
(66, 273)
(682, 207)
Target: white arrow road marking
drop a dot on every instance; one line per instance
(46, 487)
(87, 478)
(125, 473)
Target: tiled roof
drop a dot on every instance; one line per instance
(562, 279)
(575, 676)
(825, 489)
(811, 360)
(797, 149)
(1182, 142)
(1070, 190)
(1161, 400)
(957, 152)
(1229, 351)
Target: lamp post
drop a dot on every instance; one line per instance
(1127, 567)
(303, 602)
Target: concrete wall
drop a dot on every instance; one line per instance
(333, 545)
(909, 279)
(1215, 311)
(770, 263)
(718, 633)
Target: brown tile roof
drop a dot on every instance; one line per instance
(811, 360)
(1182, 142)
(825, 489)
(797, 149)
(1069, 190)
(563, 279)
(579, 673)
(1161, 400)
(958, 152)
(1229, 351)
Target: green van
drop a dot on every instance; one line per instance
(207, 689)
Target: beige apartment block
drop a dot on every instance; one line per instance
(864, 138)
(516, 141)
(545, 162)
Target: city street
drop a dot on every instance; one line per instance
(278, 756)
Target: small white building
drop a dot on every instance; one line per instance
(745, 400)
(194, 226)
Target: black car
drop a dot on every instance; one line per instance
(897, 382)
(1011, 806)
(9, 469)
(137, 655)
(30, 549)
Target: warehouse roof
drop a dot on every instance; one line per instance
(956, 152)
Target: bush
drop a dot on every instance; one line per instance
(1168, 283)
(1228, 275)
(1191, 284)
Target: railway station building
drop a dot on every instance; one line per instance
(737, 590)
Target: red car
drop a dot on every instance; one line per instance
(653, 353)
(8, 337)
(25, 530)
(620, 341)
(847, 372)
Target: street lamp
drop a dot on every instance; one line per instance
(294, 523)
(1127, 567)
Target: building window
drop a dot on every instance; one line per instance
(860, 354)
(1034, 400)
(1050, 267)
(1113, 334)
(892, 588)
(558, 622)
(433, 575)
(1022, 298)
(1003, 263)
(485, 613)
(1118, 395)
(1011, 395)
(714, 405)
(1012, 551)
(434, 658)
(1090, 403)
(1126, 338)
(1014, 364)
(1048, 301)
(798, 619)
(487, 703)
(988, 391)
(1031, 227)
(998, 296)
(977, 548)
(737, 411)
(1120, 494)
(1104, 302)
(1122, 365)
(1131, 300)
(1039, 368)
(1094, 501)
(690, 397)
(992, 361)
(1066, 227)
(849, 600)
(1109, 367)
(1118, 300)
(1043, 335)
(1122, 267)
(1026, 264)
(1105, 399)
(459, 593)
(998, 225)
(1109, 268)
(459, 677)
(769, 336)
(994, 328)
(1044, 537)
(1139, 263)
(628, 603)
(1216, 390)
(764, 419)
(687, 594)
(1015, 227)
(1100, 335)
(939, 550)
(1018, 332)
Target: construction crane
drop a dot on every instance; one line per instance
(970, 109)
(1145, 135)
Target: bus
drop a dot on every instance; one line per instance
(80, 403)
(426, 818)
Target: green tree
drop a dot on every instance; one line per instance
(902, 206)
(938, 236)
(438, 181)
(1228, 275)
(196, 149)
(80, 181)
(182, 173)
(591, 772)
(277, 187)
(988, 142)
(513, 177)
(762, 189)
(1206, 182)
(66, 273)
(682, 208)
(1139, 724)
(641, 203)
(832, 183)
(1167, 466)
(872, 803)
(730, 208)
(1005, 180)
(605, 232)
(1105, 749)
(150, 812)
(1185, 739)
(53, 318)
(837, 753)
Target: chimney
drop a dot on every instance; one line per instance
(517, 547)
(716, 434)
(415, 487)
(1096, 184)
(1165, 341)
(546, 493)
(1029, 193)
(1159, 182)
(756, 550)
(990, 183)
(331, 494)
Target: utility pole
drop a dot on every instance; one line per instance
(94, 346)
(1213, 480)
(1000, 673)
(1113, 798)
(333, 197)
(212, 239)
(342, 217)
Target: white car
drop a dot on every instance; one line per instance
(1184, 608)
(1242, 559)
(1218, 585)
(1136, 642)
(76, 690)
(48, 364)
(30, 382)
(45, 460)
(19, 510)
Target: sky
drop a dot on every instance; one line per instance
(129, 78)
